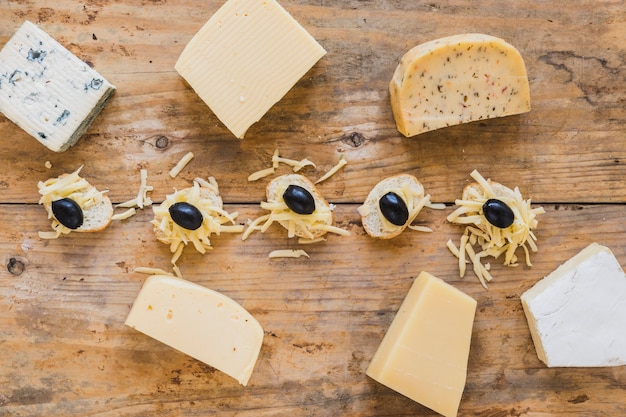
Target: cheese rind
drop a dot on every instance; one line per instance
(577, 314)
(425, 351)
(458, 79)
(47, 91)
(245, 59)
(200, 322)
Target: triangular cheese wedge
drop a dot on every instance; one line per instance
(458, 79)
(577, 314)
(425, 351)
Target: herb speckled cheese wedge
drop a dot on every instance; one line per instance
(458, 79)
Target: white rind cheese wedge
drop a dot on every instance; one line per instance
(245, 59)
(577, 314)
(425, 351)
(458, 79)
(200, 322)
(47, 91)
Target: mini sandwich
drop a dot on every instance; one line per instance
(296, 204)
(74, 205)
(192, 215)
(498, 220)
(392, 205)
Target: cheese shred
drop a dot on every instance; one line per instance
(342, 162)
(492, 241)
(181, 164)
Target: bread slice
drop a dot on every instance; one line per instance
(209, 197)
(96, 206)
(204, 196)
(95, 218)
(304, 226)
(374, 223)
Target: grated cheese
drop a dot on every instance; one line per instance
(204, 195)
(66, 186)
(140, 201)
(493, 241)
(342, 162)
(181, 164)
(261, 174)
(307, 223)
(124, 215)
(296, 165)
(288, 253)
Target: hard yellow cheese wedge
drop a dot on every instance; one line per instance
(245, 59)
(200, 322)
(458, 79)
(425, 351)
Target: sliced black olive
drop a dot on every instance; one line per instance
(299, 199)
(68, 213)
(394, 209)
(186, 215)
(498, 213)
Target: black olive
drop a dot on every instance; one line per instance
(394, 209)
(498, 213)
(186, 215)
(68, 213)
(299, 199)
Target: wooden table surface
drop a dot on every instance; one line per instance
(65, 348)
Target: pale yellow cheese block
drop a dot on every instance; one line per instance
(200, 322)
(245, 59)
(458, 79)
(425, 351)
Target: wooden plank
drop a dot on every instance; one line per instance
(63, 302)
(341, 106)
(323, 317)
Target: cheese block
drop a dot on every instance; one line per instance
(200, 322)
(458, 79)
(577, 314)
(47, 91)
(425, 351)
(245, 59)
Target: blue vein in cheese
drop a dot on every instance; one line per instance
(47, 91)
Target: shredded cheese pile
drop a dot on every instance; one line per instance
(66, 186)
(215, 218)
(491, 240)
(306, 223)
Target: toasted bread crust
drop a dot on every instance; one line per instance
(273, 193)
(373, 219)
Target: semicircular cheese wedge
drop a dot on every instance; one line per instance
(200, 322)
(458, 79)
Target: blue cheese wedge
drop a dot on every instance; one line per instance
(199, 322)
(458, 79)
(247, 56)
(577, 314)
(47, 91)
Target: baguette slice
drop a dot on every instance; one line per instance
(491, 240)
(205, 197)
(304, 226)
(406, 186)
(96, 206)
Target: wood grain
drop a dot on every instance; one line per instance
(63, 303)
